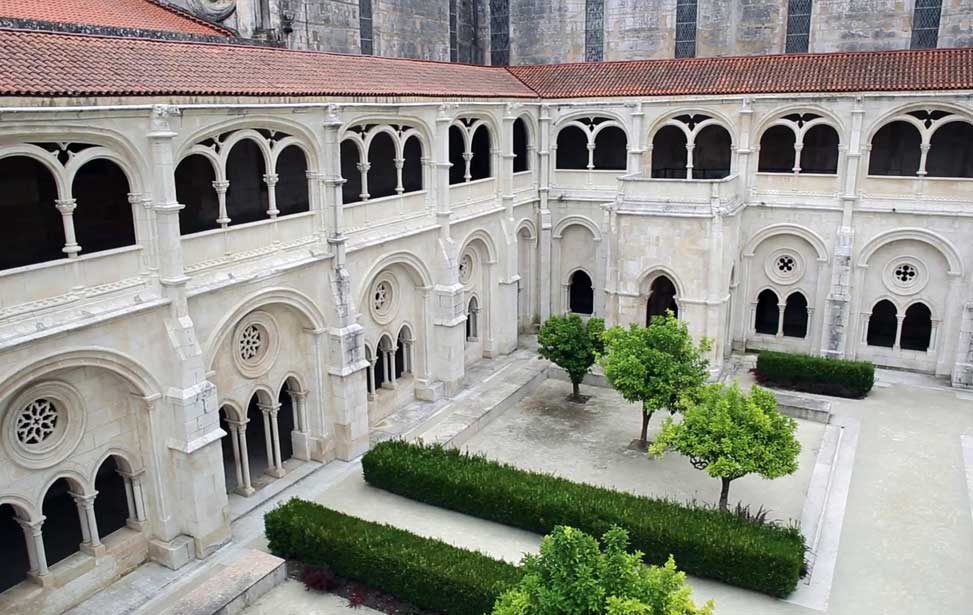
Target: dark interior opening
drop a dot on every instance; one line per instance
(521, 162)
(572, 149)
(662, 298)
(895, 150)
(580, 293)
(246, 198)
(882, 325)
(777, 150)
(916, 328)
(611, 149)
(33, 231)
(291, 190)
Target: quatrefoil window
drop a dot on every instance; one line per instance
(786, 264)
(36, 422)
(906, 274)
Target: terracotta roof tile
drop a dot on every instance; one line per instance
(932, 69)
(137, 14)
(36, 63)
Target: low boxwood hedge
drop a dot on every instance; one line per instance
(823, 375)
(428, 573)
(704, 542)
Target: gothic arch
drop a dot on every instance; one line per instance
(484, 237)
(21, 505)
(410, 261)
(249, 127)
(528, 224)
(716, 117)
(773, 117)
(816, 241)
(75, 476)
(567, 221)
(656, 271)
(917, 234)
(131, 461)
(902, 113)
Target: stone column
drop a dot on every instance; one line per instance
(89, 525)
(34, 539)
(272, 437)
(67, 207)
(636, 148)
(363, 168)
(221, 187)
(544, 224)
(506, 299)
(271, 180)
(399, 163)
(243, 459)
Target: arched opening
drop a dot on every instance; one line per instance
(820, 152)
(112, 503)
(103, 219)
(524, 300)
(521, 162)
(711, 154)
(795, 316)
(472, 326)
(380, 375)
(457, 147)
(611, 149)
(895, 150)
(32, 230)
(412, 166)
(572, 149)
(351, 190)
(777, 150)
(916, 328)
(287, 419)
(370, 385)
(382, 176)
(386, 353)
(403, 352)
(231, 472)
(767, 315)
(291, 190)
(194, 190)
(13, 548)
(951, 151)
(258, 440)
(662, 298)
(246, 198)
(669, 155)
(882, 324)
(62, 523)
(581, 295)
(480, 163)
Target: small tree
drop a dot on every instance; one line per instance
(571, 345)
(573, 575)
(654, 365)
(731, 434)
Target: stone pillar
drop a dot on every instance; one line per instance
(34, 539)
(544, 214)
(505, 300)
(221, 187)
(272, 435)
(635, 147)
(67, 207)
(239, 429)
(962, 375)
(271, 180)
(399, 163)
(89, 525)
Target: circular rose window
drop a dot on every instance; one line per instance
(383, 299)
(466, 269)
(905, 276)
(256, 344)
(785, 267)
(43, 425)
(37, 422)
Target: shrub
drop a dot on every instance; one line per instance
(705, 542)
(428, 573)
(823, 375)
(320, 579)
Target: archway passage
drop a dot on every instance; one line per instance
(194, 190)
(611, 149)
(480, 148)
(457, 147)
(895, 150)
(32, 230)
(882, 325)
(103, 219)
(13, 548)
(662, 298)
(286, 421)
(521, 163)
(581, 295)
(767, 316)
(951, 151)
(820, 152)
(350, 160)
(669, 155)
(795, 316)
(916, 328)
(572, 149)
(292, 189)
(382, 179)
(247, 197)
(257, 440)
(230, 470)
(472, 326)
(111, 504)
(62, 523)
(777, 150)
(412, 165)
(711, 154)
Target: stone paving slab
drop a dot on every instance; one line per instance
(233, 586)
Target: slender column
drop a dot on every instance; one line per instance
(271, 180)
(275, 431)
(237, 461)
(300, 409)
(898, 331)
(467, 159)
(780, 319)
(221, 187)
(690, 147)
(798, 150)
(363, 167)
(269, 435)
(399, 163)
(924, 149)
(392, 366)
(67, 207)
(591, 152)
(86, 512)
(247, 487)
(35, 545)
(370, 373)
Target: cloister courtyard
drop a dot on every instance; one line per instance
(885, 479)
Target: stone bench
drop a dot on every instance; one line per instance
(803, 407)
(237, 585)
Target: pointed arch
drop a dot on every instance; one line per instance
(766, 318)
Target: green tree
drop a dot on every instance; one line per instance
(654, 365)
(574, 575)
(571, 344)
(731, 434)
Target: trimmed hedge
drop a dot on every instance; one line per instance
(428, 573)
(704, 542)
(823, 375)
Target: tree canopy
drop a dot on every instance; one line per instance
(571, 344)
(574, 575)
(731, 434)
(654, 365)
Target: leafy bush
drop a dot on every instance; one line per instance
(705, 542)
(428, 573)
(823, 375)
(571, 345)
(320, 579)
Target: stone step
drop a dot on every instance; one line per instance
(232, 586)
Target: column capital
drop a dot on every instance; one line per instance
(221, 186)
(33, 526)
(271, 179)
(66, 206)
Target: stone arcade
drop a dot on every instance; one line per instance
(222, 261)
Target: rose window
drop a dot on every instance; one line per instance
(36, 422)
(465, 268)
(251, 343)
(786, 264)
(905, 274)
(382, 300)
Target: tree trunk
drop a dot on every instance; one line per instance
(577, 389)
(725, 494)
(646, 417)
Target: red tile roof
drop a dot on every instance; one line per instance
(55, 64)
(138, 14)
(933, 69)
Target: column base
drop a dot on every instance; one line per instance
(93, 551)
(245, 491)
(301, 443)
(173, 554)
(429, 391)
(275, 472)
(348, 447)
